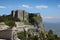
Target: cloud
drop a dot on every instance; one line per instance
(48, 17)
(41, 6)
(2, 7)
(26, 6)
(58, 5)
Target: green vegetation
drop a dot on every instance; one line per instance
(17, 19)
(37, 18)
(26, 22)
(4, 18)
(34, 19)
(33, 38)
(10, 23)
(43, 36)
(51, 36)
(8, 20)
(22, 35)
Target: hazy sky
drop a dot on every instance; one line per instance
(49, 9)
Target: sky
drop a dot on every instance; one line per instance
(48, 9)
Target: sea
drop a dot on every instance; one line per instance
(55, 27)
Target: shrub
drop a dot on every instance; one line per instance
(26, 22)
(10, 23)
(16, 19)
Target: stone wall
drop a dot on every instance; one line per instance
(21, 14)
(5, 34)
(9, 34)
(20, 26)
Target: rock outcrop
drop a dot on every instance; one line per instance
(34, 19)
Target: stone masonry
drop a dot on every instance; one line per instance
(21, 14)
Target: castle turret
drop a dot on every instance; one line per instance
(13, 13)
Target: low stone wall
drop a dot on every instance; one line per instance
(8, 34)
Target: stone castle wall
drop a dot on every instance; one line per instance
(21, 14)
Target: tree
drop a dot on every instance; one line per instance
(21, 36)
(50, 32)
(51, 36)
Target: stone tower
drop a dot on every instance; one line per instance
(13, 13)
(21, 14)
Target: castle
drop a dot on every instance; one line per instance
(23, 15)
